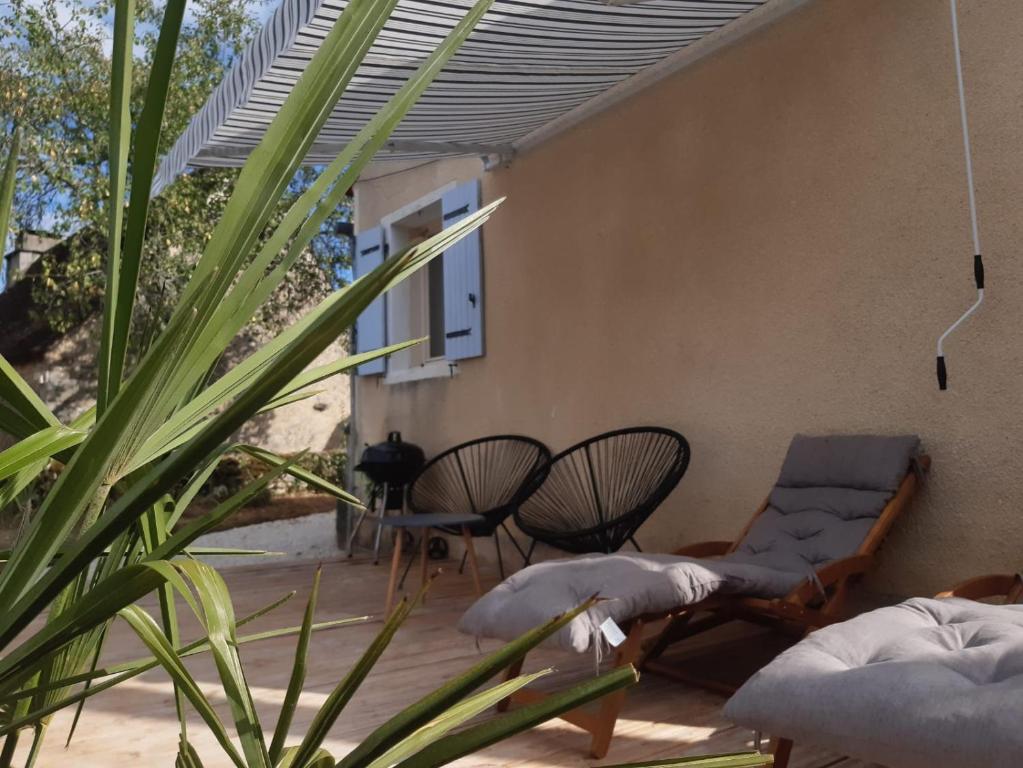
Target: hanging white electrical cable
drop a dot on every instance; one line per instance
(978, 263)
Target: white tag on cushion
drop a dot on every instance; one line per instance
(612, 632)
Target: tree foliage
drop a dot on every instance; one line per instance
(54, 84)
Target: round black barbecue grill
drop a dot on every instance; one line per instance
(390, 466)
(393, 462)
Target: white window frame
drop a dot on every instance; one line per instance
(398, 307)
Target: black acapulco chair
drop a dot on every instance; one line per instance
(598, 493)
(489, 476)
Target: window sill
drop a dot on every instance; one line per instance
(434, 369)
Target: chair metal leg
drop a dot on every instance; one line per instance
(500, 562)
(353, 535)
(355, 531)
(424, 556)
(529, 555)
(461, 565)
(380, 528)
(411, 558)
(635, 544)
(515, 544)
(474, 566)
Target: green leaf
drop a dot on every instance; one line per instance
(187, 756)
(7, 182)
(22, 412)
(40, 713)
(154, 530)
(218, 616)
(734, 760)
(120, 140)
(138, 666)
(454, 717)
(37, 743)
(44, 419)
(177, 542)
(195, 484)
(92, 667)
(121, 295)
(294, 397)
(342, 694)
(13, 486)
(183, 424)
(315, 481)
(435, 703)
(37, 447)
(323, 372)
(298, 668)
(477, 737)
(322, 759)
(148, 631)
(226, 552)
(77, 519)
(92, 609)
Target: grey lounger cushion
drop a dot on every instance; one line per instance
(632, 584)
(925, 683)
(829, 493)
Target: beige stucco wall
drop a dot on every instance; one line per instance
(768, 242)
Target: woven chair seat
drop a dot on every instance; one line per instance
(598, 493)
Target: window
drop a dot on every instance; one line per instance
(415, 308)
(441, 303)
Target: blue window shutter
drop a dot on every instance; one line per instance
(371, 327)
(463, 278)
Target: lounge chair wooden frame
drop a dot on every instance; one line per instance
(600, 724)
(814, 603)
(1004, 585)
(1008, 586)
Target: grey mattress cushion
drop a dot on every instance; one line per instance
(630, 583)
(917, 685)
(828, 496)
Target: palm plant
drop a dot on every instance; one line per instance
(107, 533)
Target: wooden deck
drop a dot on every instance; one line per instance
(135, 725)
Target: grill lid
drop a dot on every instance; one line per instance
(393, 461)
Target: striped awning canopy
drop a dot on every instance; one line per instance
(528, 65)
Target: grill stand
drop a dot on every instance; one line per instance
(379, 493)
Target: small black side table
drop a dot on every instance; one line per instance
(425, 523)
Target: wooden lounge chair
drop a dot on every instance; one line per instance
(945, 662)
(813, 601)
(816, 602)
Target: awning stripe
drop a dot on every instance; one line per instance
(528, 63)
